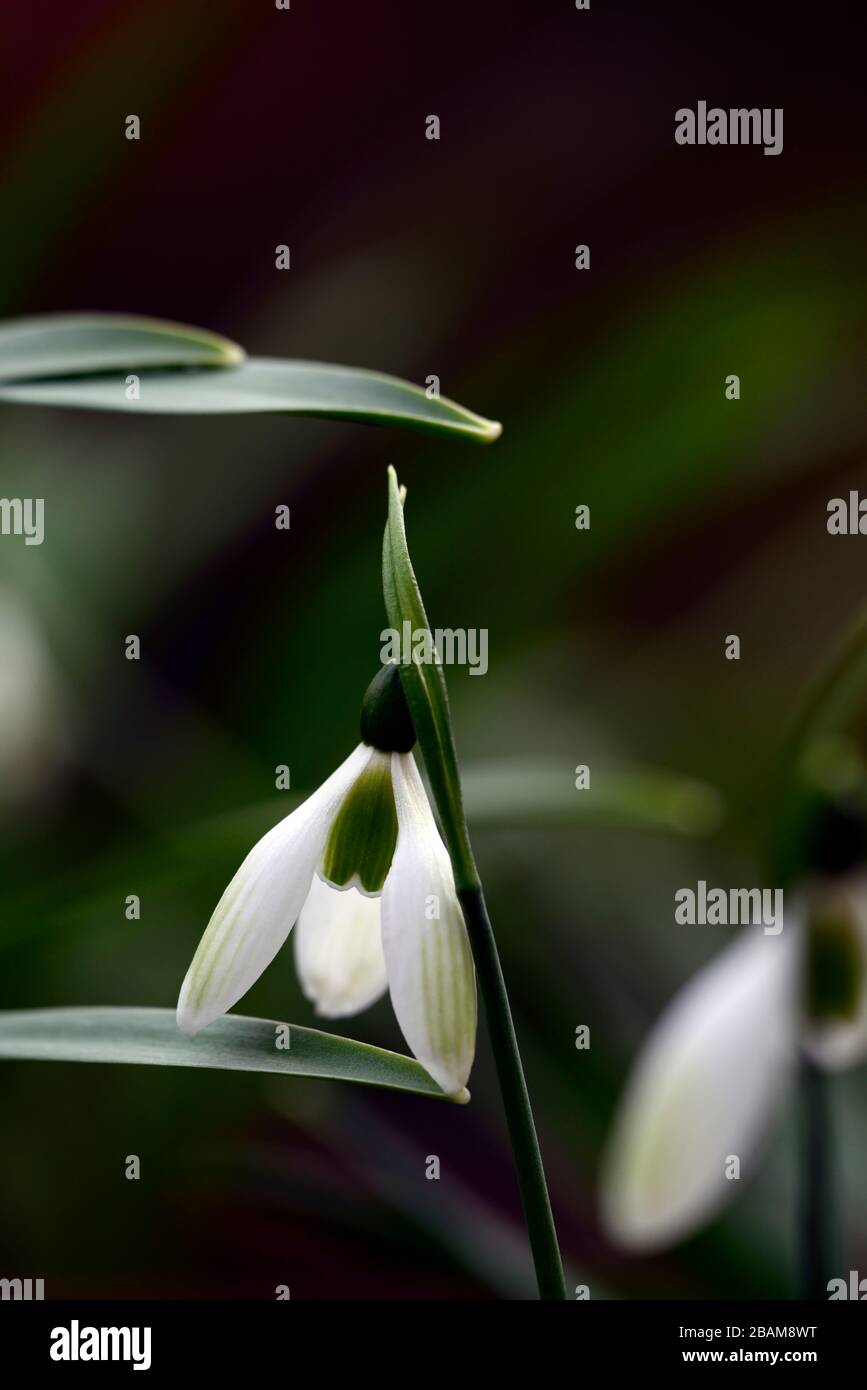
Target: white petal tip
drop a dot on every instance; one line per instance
(190, 1022)
(634, 1233)
(323, 1009)
(453, 1085)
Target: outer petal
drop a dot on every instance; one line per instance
(258, 909)
(338, 950)
(427, 957)
(837, 1039)
(704, 1089)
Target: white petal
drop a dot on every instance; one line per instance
(259, 908)
(338, 950)
(838, 1043)
(704, 1090)
(427, 957)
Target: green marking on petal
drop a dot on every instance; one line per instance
(363, 835)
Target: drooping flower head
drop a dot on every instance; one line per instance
(360, 866)
(717, 1065)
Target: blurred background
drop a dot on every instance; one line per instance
(455, 257)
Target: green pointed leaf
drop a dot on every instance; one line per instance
(425, 689)
(151, 1037)
(63, 345)
(266, 385)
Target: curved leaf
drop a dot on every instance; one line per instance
(151, 1037)
(266, 385)
(62, 345)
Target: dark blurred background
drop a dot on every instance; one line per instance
(456, 257)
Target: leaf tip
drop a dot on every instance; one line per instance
(395, 488)
(232, 354)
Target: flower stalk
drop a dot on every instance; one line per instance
(816, 1182)
(516, 1099)
(427, 698)
(820, 737)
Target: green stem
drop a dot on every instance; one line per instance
(516, 1100)
(427, 699)
(816, 1183)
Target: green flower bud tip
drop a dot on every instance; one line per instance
(386, 722)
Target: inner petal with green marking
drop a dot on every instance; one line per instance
(362, 838)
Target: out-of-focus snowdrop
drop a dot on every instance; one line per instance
(32, 722)
(711, 1077)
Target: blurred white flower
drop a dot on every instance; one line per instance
(717, 1064)
(30, 707)
(362, 869)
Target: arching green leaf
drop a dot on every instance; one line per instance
(66, 345)
(265, 385)
(151, 1037)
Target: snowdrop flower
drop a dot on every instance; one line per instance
(717, 1065)
(362, 869)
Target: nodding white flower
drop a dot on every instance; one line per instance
(362, 869)
(717, 1064)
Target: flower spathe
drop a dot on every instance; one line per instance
(361, 868)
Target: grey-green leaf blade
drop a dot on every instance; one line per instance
(72, 345)
(266, 385)
(151, 1037)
